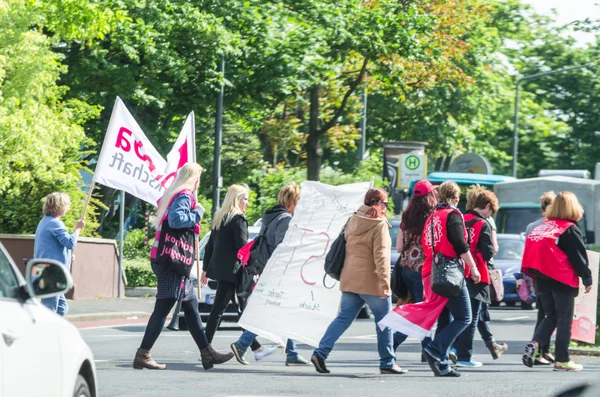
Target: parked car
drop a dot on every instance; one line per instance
(41, 353)
(508, 261)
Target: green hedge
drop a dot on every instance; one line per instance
(139, 273)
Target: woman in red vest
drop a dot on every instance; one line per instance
(556, 258)
(481, 204)
(449, 238)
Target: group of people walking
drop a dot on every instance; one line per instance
(433, 231)
(229, 233)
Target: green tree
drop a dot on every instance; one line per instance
(41, 133)
(476, 117)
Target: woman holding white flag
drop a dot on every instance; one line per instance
(445, 235)
(177, 209)
(365, 278)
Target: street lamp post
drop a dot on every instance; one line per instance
(218, 140)
(363, 126)
(517, 96)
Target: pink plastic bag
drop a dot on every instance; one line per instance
(244, 253)
(526, 291)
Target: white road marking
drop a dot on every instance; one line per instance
(374, 336)
(514, 318)
(109, 326)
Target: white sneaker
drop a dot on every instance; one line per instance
(264, 352)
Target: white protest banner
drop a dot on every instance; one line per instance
(128, 161)
(584, 319)
(183, 152)
(294, 298)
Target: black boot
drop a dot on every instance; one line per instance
(210, 357)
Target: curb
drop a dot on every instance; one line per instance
(582, 351)
(106, 316)
(140, 292)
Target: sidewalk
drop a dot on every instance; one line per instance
(109, 309)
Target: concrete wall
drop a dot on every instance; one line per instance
(95, 270)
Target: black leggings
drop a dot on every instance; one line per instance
(541, 315)
(559, 314)
(225, 294)
(162, 308)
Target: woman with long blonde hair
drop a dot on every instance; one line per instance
(177, 209)
(229, 233)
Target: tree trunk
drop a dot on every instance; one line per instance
(314, 151)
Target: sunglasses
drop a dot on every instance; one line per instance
(385, 202)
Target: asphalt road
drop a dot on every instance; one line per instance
(353, 363)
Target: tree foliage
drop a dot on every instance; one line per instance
(42, 140)
(438, 71)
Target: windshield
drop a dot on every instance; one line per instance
(515, 220)
(510, 249)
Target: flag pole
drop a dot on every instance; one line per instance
(121, 240)
(89, 196)
(196, 242)
(106, 138)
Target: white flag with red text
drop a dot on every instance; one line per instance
(129, 162)
(183, 152)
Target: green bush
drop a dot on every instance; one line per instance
(134, 246)
(139, 273)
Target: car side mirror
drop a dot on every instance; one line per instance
(46, 278)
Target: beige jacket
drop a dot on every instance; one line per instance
(367, 266)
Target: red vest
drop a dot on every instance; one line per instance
(474, 233)
(543, 255)
(440, 239)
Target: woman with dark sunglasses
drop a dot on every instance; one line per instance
(365, 279)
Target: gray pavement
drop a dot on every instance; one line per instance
(106, 308)
(353, 363)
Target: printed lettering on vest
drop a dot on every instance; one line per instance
(546, 230)
(471, 234)
(437, 231)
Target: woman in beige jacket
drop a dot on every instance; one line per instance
(365, 279)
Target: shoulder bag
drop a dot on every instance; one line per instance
(497, 290)
(447, 275)
(176, 248)
(334, 261)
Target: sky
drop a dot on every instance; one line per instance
(569, 11)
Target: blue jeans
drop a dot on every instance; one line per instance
(58, 304)
(483, 324)
(349, 308)
(248, 337)
(414, 283)
(459, 308)
(464, 342)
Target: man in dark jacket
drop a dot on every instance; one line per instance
(275, 223)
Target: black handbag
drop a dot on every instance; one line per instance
(447, 274)
(334, 261)
(176, 249)
(245, 284)
(399, 288)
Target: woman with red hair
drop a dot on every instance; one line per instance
(365, 279)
